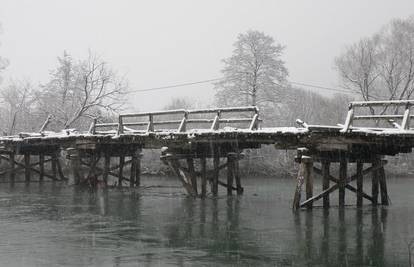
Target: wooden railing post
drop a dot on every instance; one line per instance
(255, 122)
(92, 128)
(405, 125)
(120, 125)
(216, 123)
(349, 119)
(183, 125)
(150, 127)
(47, 121)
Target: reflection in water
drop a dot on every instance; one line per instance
(351, 237)
(157, 227)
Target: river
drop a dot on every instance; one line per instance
(54, 224)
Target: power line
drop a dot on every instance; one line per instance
(324, 87)
(217, 79)
(173, 86)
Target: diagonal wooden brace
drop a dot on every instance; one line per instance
(336, 186)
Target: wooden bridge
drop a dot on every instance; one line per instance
(371, 131)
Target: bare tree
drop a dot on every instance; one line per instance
(254, 74)
(81, 89)
(17, 109)
(397, 59)
(3, 61)
(381, 66)
(358, 67)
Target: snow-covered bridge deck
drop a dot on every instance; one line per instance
(316, 137)
(222, 133)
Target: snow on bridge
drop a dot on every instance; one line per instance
(370, 131)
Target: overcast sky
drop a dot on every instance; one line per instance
(158, 43)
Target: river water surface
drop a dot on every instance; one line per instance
(157, 225)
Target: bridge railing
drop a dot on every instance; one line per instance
(400, 119)
(213, 118)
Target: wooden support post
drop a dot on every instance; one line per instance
(27, 167)
(237, 175)
(60, 171)
(298, 189)
(375, 187)
(193, 177)
(133, 170)
(75, 164)
(325, 181)
(121, 170)
(343, 166)
(41, 167)
(360, 178)
(308, 176)
(203, 176)
(93, 177)
(230, 173)
(107, 163)
(216, 171)
(138, 169)
(54, 165)
(12, 171)
(383, 186)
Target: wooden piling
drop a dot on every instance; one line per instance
(133, 170)
(60, 170)
(193, 177)
(298, 190)
(54, 165)
(383, 186)
(359, 181)
(343, 166)
(93, 179)
(138, 169)
(237, 175)
(27, 167)
(203, 164)
(12, 164)
(308, 176)
(107, 163)
(75, 164)
(325, 181)
(121, 170)
(375, 188)
(41, 167)
(230, 173)
(216, 172)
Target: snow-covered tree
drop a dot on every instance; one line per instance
(17, 112)
(81, 89)
(3, 61)
(381, 66)
(255, 74)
